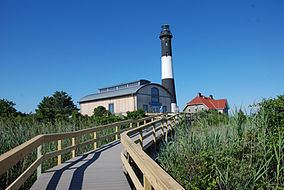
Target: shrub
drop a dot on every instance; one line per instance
(273, 111)
(209, 118)
(136, 114)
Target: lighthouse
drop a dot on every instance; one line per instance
(167, 64)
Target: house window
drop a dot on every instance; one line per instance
(154, 95)
(145, 108)
(164, 109)
(111, 108)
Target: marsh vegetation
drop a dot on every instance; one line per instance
(243, 151)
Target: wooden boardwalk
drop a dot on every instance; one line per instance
(99, 170)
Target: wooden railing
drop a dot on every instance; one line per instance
(134, 158)
(17, 154)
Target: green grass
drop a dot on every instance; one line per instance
(235, 153)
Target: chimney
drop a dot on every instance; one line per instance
(199, 94)
(211, 96)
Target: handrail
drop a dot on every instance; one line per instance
(153, 175)
(13, 156)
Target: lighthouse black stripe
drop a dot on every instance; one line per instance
(166, 46)
(169, 84)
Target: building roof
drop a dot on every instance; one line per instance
(209, 102)
(124, 85)
(110, 94)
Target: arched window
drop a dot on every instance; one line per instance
(154, 95)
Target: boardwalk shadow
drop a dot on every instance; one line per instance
(78, 175)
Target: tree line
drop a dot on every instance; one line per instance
(60, 106)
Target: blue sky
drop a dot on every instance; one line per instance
(231, 49)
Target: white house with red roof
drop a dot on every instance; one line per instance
(201, 102)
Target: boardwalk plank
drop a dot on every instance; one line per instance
(100, 169)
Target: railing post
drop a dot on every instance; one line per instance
(154, 133)
(131, 125)
(141, 138)
(166, 125)
(179, 118)
(59, 147)
(145, 122)
(162, 125)
(39, 154)
(171, 127)
(147, 184)
(95, 143)
(73, 144)
(116, 131)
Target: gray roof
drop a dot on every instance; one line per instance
(116, 93)
(125, 85)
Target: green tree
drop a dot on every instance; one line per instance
(59, 105)
(100, 111)
(7, 108)
(102, 116)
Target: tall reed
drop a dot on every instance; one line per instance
(237, 153)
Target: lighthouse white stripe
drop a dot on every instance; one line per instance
(167, 67)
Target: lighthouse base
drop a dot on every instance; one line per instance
(174, 108)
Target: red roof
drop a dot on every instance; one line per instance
(210, 103)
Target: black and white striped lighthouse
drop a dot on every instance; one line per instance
(167, 65)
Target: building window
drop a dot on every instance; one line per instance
(154, 95)
(164, 109)
(145, 108)
(111, 108)
(155, 109)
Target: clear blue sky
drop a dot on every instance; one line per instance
(231, 49)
